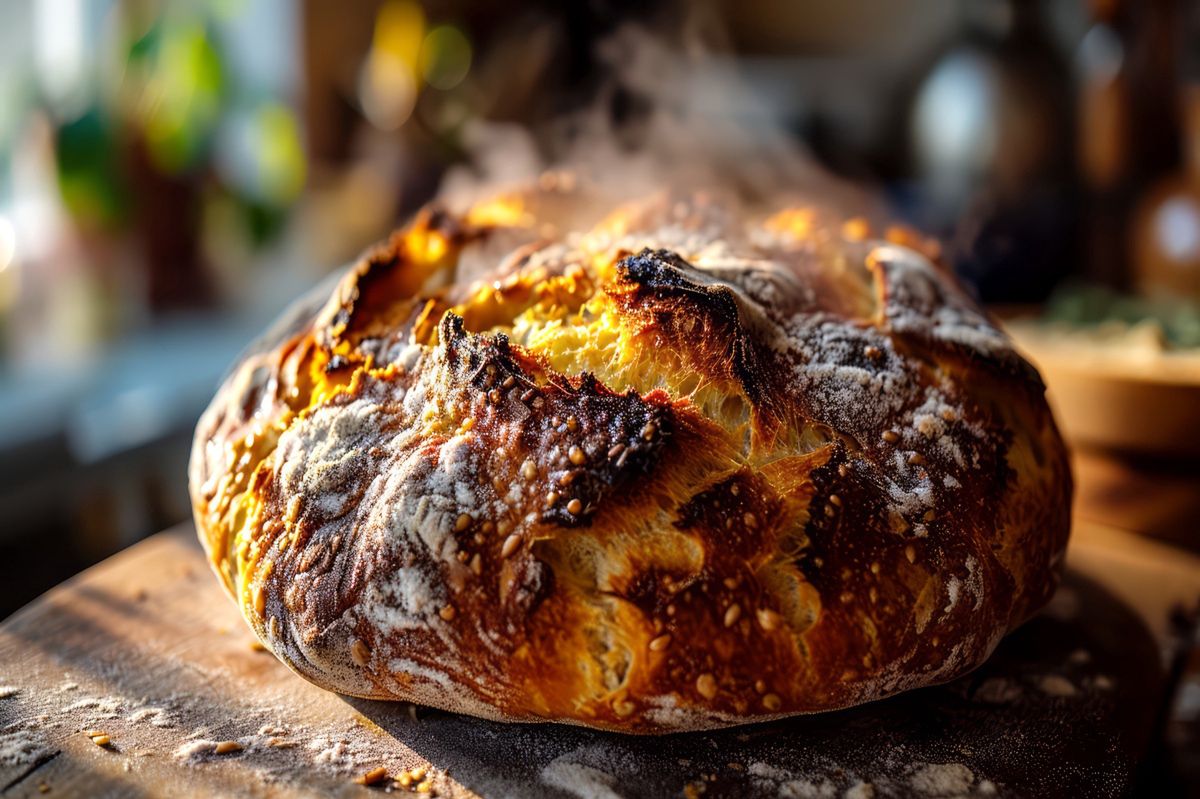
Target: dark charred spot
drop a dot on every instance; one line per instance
(373, 277)
(341, 320)
(483, 362)
(336, 364)
(388, 279)
(735, 515)
(620, 437)
(848, 501)
(653, 588)
(588, 439)
(700, 319)
(533, 581)
(665, 285)
(664, 273)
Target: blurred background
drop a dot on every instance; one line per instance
(172, 174)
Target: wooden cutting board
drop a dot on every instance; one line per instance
(147, 649)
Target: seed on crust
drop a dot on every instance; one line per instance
(649, 431)
(510, 545)
(915, 459)
(476, 564)
(462, 522)
(706, 686)
(99, 738)
(528, 470)
(227, 747)
(372, 777)
(575, 507)
(551, 497)
(891, 436)
(572, 423)
(768, 619)
(750, 519)
(660, 643)
(616, 450)
(575, 454)
(732, 614)
(447, 613)
(772, 702)
(360, 653)
(834, 499)
(910, 554)
(760, 686)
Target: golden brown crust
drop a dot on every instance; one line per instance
(678, 471)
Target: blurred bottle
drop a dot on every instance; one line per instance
(992, 139)
(1105, 127)
(1166, 228)
(1128, 124)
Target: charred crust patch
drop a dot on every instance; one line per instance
(336, 364)
(372, 276)
(847, 496)
(388, 277)
(531, 582)
(735, 516)
(936, 314)
(701, 319)
(480, 361)
(586, 440)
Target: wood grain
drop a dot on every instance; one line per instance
(146, 648)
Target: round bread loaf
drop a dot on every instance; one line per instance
(685, 466)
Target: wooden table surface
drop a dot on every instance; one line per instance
(146, 649)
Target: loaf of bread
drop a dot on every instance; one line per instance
(682, 466)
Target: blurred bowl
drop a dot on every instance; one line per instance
(1117, 389)
(1130, 410)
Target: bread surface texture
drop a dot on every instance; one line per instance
(678, 466)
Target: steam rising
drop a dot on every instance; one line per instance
(699, 128)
